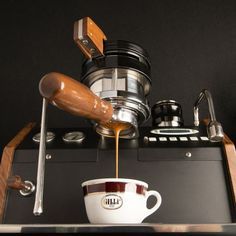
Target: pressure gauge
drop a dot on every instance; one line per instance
(74, 137)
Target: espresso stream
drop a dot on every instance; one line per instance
(117, 127)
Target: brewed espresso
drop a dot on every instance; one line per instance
(117, 127)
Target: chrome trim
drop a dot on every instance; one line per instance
(165, 101)
(125, 89)
(142, 110)
(188, 154)
(136, 54)
(120, 73)
(49, 137)
(174, 123)
(80, 29)
(121, 115)
(215, 131)
(188, 131)
(226, 229)
(29, 188)
(204, 94)
(74, 137)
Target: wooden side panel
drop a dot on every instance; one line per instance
(231, 163)
(6, 163)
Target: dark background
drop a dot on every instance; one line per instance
(192, 45)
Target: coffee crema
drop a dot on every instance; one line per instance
(117, 127)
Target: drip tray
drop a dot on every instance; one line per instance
(140, 229)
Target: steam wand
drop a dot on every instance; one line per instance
(214, 128)
(38, 204)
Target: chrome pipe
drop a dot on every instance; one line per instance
(38, 204)
(204, 94)
(214, 128)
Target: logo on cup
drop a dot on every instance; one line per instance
(112, 201)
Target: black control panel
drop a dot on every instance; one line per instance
(188, 170)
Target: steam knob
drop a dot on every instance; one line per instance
(215, 131)
(25, 187)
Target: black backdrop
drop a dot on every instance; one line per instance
(192, 45)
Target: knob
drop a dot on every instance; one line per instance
(25, 187)
(215, 131)
(167, 113)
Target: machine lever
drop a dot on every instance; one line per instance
(89, 37)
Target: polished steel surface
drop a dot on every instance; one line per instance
(38, 204)
(219, 229)
(165, 101)
(121, 115)
(167, 113)
(29, 188)
(126, 90)
(74, 137)
(215, 131)
(125, 77)
(204, 94)
(173, 123)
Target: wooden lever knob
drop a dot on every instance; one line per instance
(16, 182)
(74, 97)
(89, 37)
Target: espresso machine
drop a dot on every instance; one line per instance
(191, 166)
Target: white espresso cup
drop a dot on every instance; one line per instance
(118, 201)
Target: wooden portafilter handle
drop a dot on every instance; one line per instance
(74, 97)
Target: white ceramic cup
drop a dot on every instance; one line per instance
(118, 201)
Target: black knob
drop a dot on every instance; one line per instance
(167, 113)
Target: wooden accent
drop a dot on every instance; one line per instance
(6, 163)
(230, 155)
(74, 97)
(231, 164)
(89, 37)
(15, 182)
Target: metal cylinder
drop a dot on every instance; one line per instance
(167, 113)
(121, 77)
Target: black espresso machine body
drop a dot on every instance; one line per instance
(189, 166)
(188, 170)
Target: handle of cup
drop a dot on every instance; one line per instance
(158, 203)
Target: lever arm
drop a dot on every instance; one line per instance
(89, 37)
